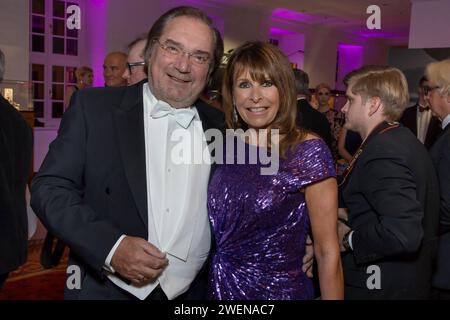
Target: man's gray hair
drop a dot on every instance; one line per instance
(2, 65)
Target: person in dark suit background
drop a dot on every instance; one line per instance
(389, 195)
(16, 144)
(438, 96)
(308, 117)
(420, 120)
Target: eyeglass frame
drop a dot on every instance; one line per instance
(130, 65)
(181, 52)
(427, 89)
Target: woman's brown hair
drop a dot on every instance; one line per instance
(263, 60)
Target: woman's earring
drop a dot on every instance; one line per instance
(235, 116)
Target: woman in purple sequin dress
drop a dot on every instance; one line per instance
(260, 221)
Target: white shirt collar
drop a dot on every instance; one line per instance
(446, 121)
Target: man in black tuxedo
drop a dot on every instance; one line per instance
(112, 185)
(389, 225)
(308, 117)
(16, 144)
(420, 120)
(438, 96)
(135, 220)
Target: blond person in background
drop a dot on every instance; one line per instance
(334, 117)
(84, 77)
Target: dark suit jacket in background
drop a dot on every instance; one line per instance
(91, 187)
(16, 144)
(409, 120)
(440, 153)
(392, 197)
(313, 120)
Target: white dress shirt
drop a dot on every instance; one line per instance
(423, 121)
(446, 121)
(177, 195)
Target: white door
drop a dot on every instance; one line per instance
(54, 57)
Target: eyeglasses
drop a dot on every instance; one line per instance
(135, 64)
(323, 93)
(427, 89)
(174, 51)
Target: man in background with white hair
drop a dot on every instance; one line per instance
(438, 95)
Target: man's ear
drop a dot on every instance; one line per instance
(374, 105)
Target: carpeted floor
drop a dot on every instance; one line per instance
(32, 282)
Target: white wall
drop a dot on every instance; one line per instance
(320, 55)
(112, 24)
(145, 12)
(350, 58)
(293, 46)
(128, 19)
(430, 24)
(42, 139)
(376, 52)
(321, 45)
(240, 25)
(14, 38)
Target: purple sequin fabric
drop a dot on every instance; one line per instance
(260, 224)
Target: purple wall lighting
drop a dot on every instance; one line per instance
(350, 57)
(96, 11)
(377, 34)
(274, 32)
(349, 47)
(294, 16)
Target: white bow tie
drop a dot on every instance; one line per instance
(183, 116)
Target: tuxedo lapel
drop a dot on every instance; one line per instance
(434, 129)
(129, 123)
(435, 150)
(210, 117)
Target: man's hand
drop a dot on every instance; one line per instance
(342, 227)
(308, 258)
(138, 261)
(342, 230)
(343, 214)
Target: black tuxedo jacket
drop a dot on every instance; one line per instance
(409, 120)
(392, 197)
(16, 143)
(313, 120)
(91, 187)
(440, 153)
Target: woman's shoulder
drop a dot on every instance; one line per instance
(311, 157)
(311, 140)
(309, 144)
